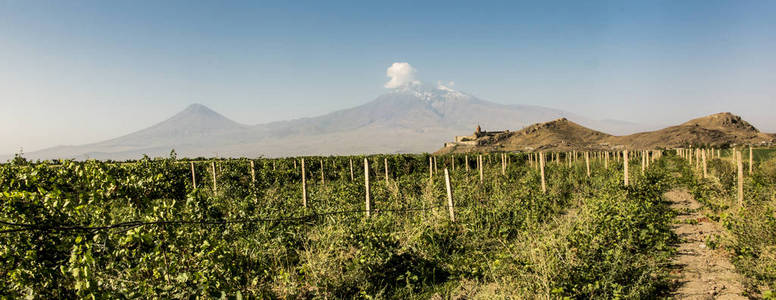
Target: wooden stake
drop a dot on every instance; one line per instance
(740, 179)
(541, 167)
(751, 161)
(213, 166)
(323, 181)
(466, 158)
(689, 156)
(304, 184)
(606, 160)
(253, 172)
(193, 176)
(452, 161)
(352, 178)
(449, 196)
(587, 162)
(366, 185)
(503, 164)
(385, 160)
(703, 157)
(430, 168)
(625, 165)
(480, 167)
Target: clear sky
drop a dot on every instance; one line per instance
(74, 72)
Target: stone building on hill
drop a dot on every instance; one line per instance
(471, 140)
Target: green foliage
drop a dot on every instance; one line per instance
(252, 238)
(752, 227)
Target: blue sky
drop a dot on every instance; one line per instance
(75, 72)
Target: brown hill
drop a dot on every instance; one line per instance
(561, 135)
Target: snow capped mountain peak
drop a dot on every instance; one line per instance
(430, 93)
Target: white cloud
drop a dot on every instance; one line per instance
(401, 74)
(445, 86)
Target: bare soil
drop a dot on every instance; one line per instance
(701, 272)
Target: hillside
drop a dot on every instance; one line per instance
(561, 135)
(716, 130)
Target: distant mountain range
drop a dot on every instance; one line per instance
(413, 118)
(722, 129)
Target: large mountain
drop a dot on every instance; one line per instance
(413, 118)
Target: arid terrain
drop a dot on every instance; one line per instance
(722, 129)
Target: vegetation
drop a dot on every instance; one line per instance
(751, 227)
(141, 229)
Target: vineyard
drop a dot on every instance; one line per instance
(524, 225)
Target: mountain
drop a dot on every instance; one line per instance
(412, 118)
(716, 130)
(195, 127)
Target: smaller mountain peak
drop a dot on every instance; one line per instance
(197, 107)
(557, 122)
(725, 120)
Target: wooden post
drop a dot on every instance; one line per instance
(703, 157)
(193, 176)
(273, 166)
(503, 164)
(430, 168)
(436, 170)
(751, 161)
(452, 161)
(466, 158)
(213, 166)
(481, 167)
(541, 167)
(304, 184)
(366, 184)
(449, 196)
(648, 155)
(385, 160)
(643, 162)
(625, 165)
(352, 178)
(698, 159)
(587, 162)
(295, 164)
(323, 181)
(740, 179)
(253, 172)
(689, 156)
(606, 160)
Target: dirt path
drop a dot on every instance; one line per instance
(702, 273)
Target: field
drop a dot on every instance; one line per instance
(141, 229)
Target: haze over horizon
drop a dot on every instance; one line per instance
(81, 72)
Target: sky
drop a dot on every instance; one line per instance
(74, 72)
